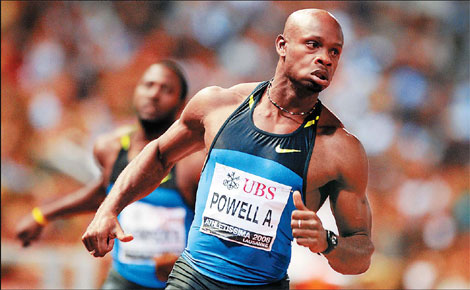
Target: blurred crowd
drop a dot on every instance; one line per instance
(68, 70)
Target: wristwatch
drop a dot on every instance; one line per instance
(332, 240)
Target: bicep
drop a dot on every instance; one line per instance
(185, 136)
(348, 196)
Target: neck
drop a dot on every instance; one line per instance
(149, 130)
(292, 96)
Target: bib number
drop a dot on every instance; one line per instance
(156, 230)
(244, 208)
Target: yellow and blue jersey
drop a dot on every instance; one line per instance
(159, 223)
(241, 232)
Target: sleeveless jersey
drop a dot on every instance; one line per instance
(159, 223)
(241, 232)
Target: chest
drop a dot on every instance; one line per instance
(115, 153)
(273, 145)
(214, 121)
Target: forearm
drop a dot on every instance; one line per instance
(352, 255)
(143, 174)
(87, 199)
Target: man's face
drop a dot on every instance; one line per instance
(157, 95)
(312, 50)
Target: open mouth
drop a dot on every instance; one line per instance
(321, 75)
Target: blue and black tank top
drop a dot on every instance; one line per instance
(159, 223)
(241, 232)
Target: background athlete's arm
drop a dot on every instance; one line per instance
(350, 208)
(85, 199)
(144, 173)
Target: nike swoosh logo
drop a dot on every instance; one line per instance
(283, 150)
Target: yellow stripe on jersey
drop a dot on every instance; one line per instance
(309, 123)
(251, 101)
(126, 142)
(168, 177)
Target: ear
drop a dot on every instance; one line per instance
(281, 44)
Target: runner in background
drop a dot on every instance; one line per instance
(161, 220)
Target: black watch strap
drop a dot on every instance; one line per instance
(332, 240)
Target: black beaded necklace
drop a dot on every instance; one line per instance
(284, 110)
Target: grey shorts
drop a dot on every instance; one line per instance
(117, 282)
(183, 276)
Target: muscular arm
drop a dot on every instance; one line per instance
(351, 210)
(85, 199)
(89, 197)
(144, 173)
(354, 250)
(347, 173)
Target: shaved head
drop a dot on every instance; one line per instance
(309, 49)
(298, 19)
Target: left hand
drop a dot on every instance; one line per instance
(307, 227)
(28, 230)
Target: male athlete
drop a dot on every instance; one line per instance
(160, 221)
(274, 154)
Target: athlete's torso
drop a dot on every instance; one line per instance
(244, 199)
(159, 223)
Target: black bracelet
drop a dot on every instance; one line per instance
(332, 240)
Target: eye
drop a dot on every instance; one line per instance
(166, 89)
(335, 52)
(313, 44)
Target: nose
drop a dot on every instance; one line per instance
(155, 92)
(323, 58)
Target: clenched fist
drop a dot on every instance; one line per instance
(99, 236)
(307, 227)
(28, 230)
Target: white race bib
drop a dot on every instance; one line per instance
(244, 208)
(156, 230)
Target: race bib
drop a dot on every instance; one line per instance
(156, 230)
(244, 208)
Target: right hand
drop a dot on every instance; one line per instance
(28, 230)
(99, 236)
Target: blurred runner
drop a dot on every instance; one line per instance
(160, 221)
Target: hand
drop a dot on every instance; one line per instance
(99, 236)
(28, 230)
(307, 228)
(164, 265)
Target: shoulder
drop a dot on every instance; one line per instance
(342, 149)
(213, 98)
(244, 89)
(107, 145)
(328, 121)
(216, 96)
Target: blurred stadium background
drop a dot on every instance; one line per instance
(68, 73)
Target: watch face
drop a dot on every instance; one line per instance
(334, 239)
